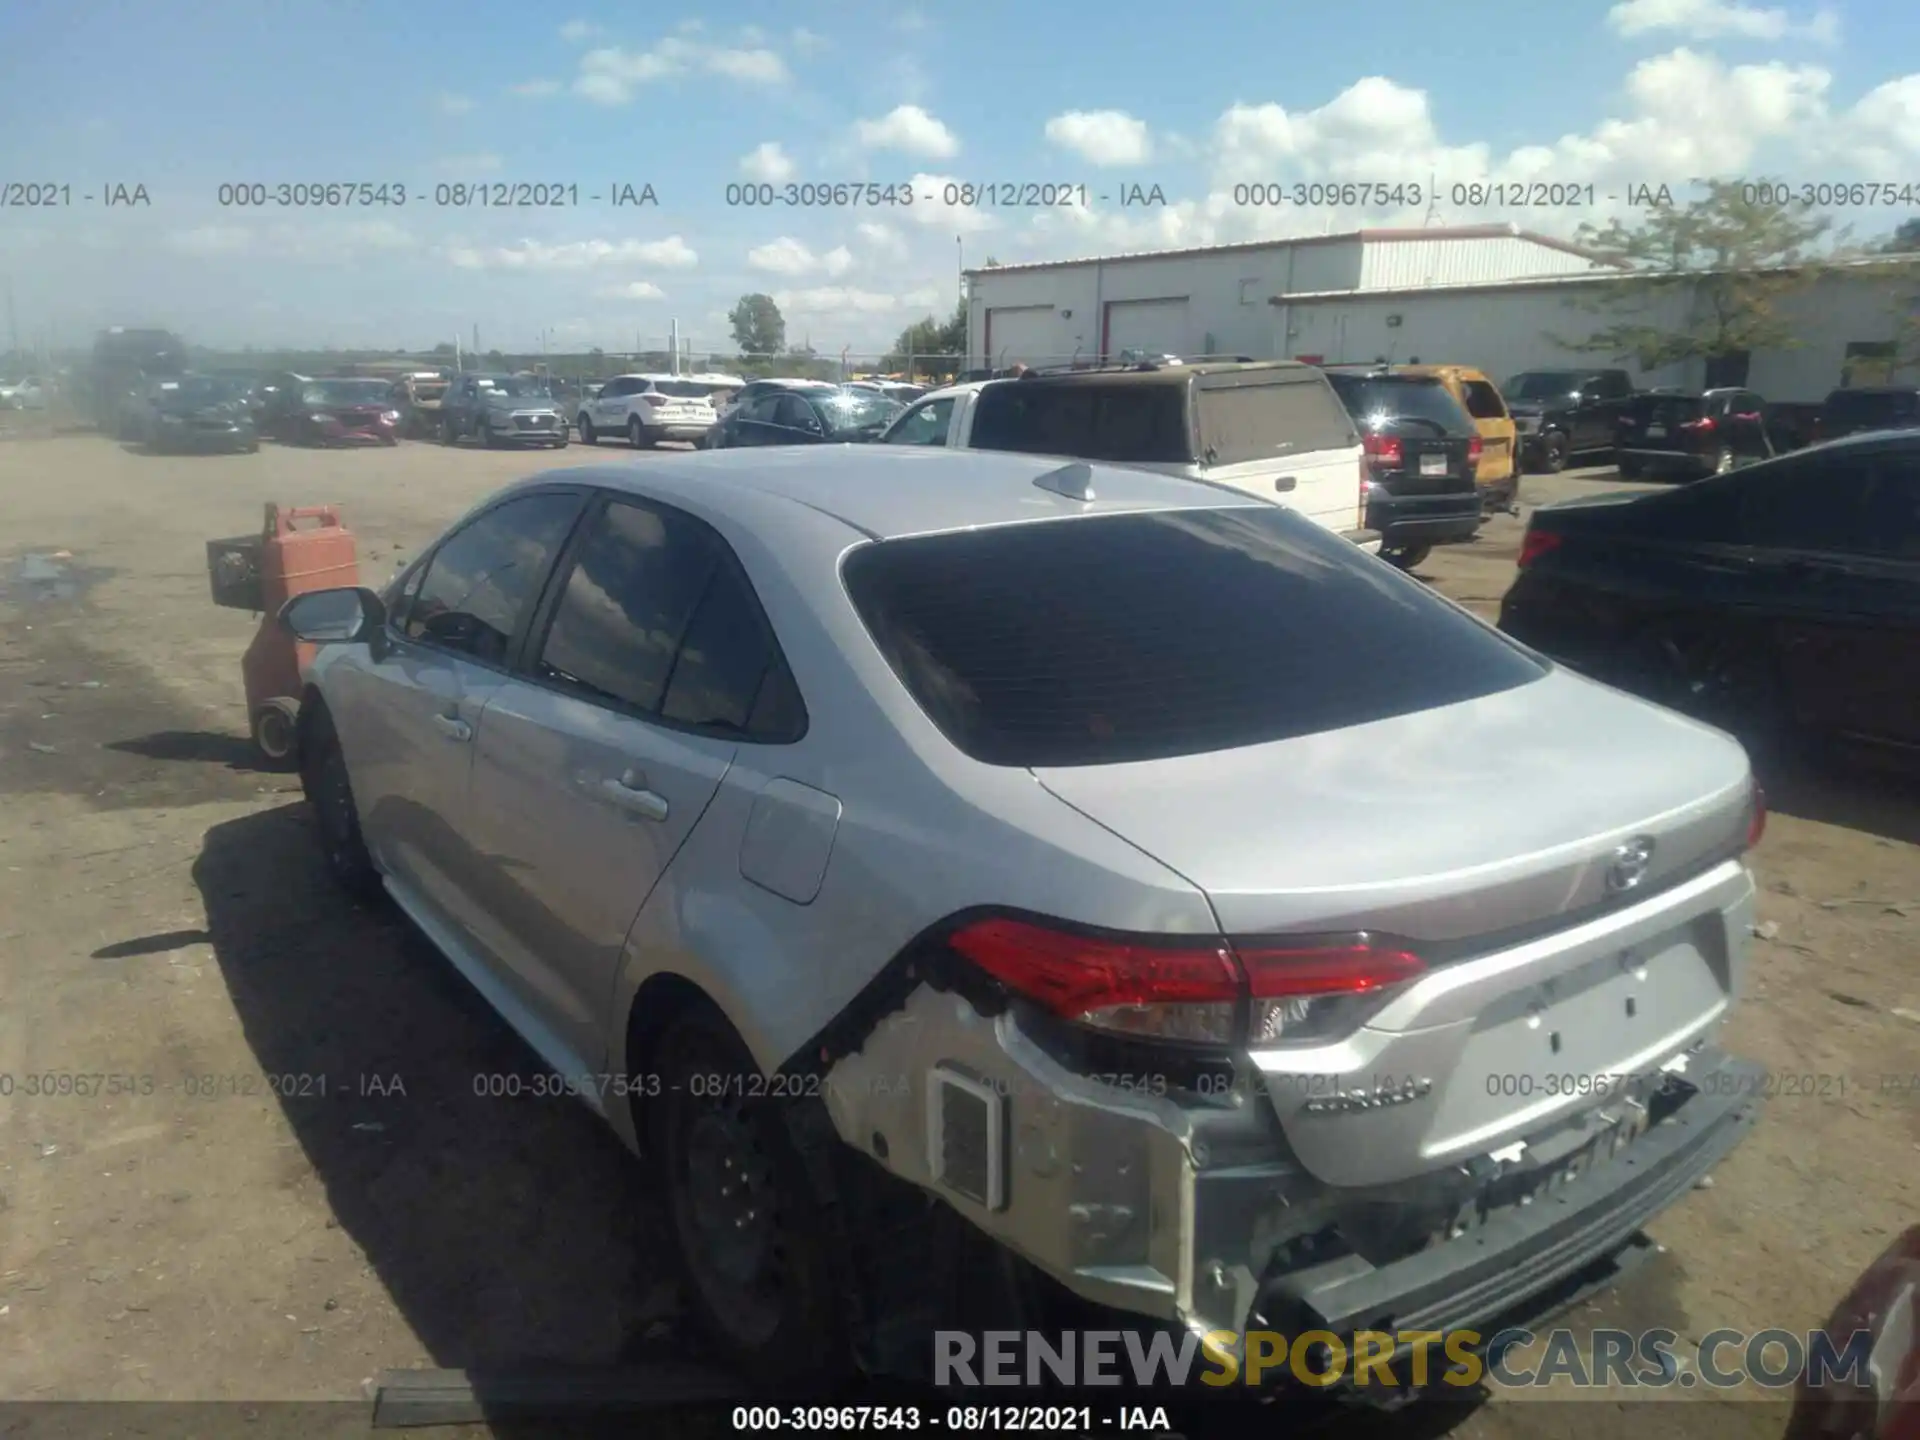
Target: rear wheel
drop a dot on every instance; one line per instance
(323, 777)
(1405, 557)
(587, 435)
(637, 434)
(752, 1243)
(1554, 452)
(274, 734)
(1721, 674)
(447, 435)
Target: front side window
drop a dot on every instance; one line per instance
(924, 425)
(481, 579)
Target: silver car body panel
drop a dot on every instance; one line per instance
(786, 878)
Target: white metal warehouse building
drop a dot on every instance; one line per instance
(1492, 296)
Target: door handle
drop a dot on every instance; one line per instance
(454, 728)
(630, 792)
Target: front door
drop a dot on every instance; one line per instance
(602, 754)
(409, 721)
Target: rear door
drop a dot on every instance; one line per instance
(1284, 436)
(608, 409)
(1495, 426)
(649, 665)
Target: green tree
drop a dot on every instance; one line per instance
(1705, 278)
(758, 326)
(934, 345)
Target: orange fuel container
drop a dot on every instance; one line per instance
(299, 550)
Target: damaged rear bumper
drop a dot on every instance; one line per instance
(1189, 1211)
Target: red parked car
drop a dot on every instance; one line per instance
(343, 411)
(1885, 1302)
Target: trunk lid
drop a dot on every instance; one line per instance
(1466, 831)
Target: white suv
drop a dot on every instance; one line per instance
(647, 409)
(1273, 428)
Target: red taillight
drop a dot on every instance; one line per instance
(1536, 543)
(1212, 992)
(1757, 818)
(1703, 426)
(1474, 448)
(653, 398)
(1385, 451)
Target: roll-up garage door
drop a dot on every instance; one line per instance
(1148, 327)
(1021, 334)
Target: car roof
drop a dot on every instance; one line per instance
(885, 492)
(1424, 372)
(1150, 374)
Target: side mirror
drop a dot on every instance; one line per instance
(345, 615)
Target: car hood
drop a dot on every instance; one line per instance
(231, 410)
(1440, 825)
(515, 402)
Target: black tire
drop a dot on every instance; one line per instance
(588, 436)
(1722, 674)
(447, 436)
(489, 437)
(637, 435)
(1630, 469)
(324, 781)
(1406, 557)
(752, 1245)
(562, 442)
(276, 736)
(1555, 450)
(253, 446)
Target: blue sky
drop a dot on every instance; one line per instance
(1194, 99)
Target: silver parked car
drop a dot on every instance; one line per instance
(1131, 874)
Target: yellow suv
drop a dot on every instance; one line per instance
(1498, 475)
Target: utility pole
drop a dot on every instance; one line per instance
(476, 338)
(960, 262)
(13, 322)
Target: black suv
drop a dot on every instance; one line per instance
(1422, 453)
(1869, 407)
(1688, 435)
(1563, 413)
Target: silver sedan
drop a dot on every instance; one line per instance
(1050, 871)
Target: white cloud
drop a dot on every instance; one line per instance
(638, 290)
(452, 104)
(912, 21)
(672, 253)
(787, 256)
(536, 89)
(612, 76)
(932, 209)
(1102, 137)
(882, 239)
(910, 129)
(1720, 20)
(471, 164)
(767, 162)
(325, 243)
(1881, 133)
(836, 300)
(574, 31)
(805, 42)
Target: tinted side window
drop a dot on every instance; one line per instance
(924, 426)
(481, 579)
(729, 675)
(1483, 401)
(795, 414)
(762, 409)
(1259, 420)
(1807, 506)
(632, 589)
(1135, 637)
(1892, 527)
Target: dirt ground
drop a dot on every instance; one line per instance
(277, 1178)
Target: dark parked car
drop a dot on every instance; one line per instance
(500, 410)
(335, 411)
(1423, 453)
(1564, 413)
(200, 413)
(1677, 435)
(1869, 407)
(1884, 1402)
(1780, 602)
(793, 415)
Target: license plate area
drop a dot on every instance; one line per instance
(1432, 465)
(1656, 432)
(1583, 1038)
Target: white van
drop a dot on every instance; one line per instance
(1269, 428)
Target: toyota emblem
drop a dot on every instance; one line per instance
(1628, 864)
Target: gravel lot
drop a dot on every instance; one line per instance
(166, 919)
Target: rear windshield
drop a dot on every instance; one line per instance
(1259, 419)
(1872, 407)
(1125, 423)
(1395, 397)
(683, 389)
(1138, 637)
(1665, 409)
(1543, 385)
